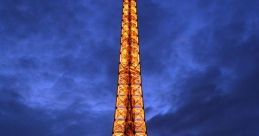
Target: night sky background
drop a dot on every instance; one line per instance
(59, 65)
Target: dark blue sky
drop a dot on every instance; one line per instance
(59, 63)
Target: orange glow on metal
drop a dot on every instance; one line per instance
(129, 118)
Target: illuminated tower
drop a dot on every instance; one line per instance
(129, 118)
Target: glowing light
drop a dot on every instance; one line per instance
(129, 118)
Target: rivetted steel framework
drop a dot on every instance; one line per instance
(129, 117)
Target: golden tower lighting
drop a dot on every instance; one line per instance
(129, 117)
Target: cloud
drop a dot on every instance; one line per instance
(216, 94)
(59, 62)
(36, 121)
(55, 64)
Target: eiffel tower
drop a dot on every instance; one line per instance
(129, 117)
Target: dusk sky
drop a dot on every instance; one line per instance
(59, 66)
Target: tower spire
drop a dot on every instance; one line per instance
(129, 117)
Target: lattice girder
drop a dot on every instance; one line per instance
(129, 118)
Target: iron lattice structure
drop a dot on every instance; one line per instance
(129, 117)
